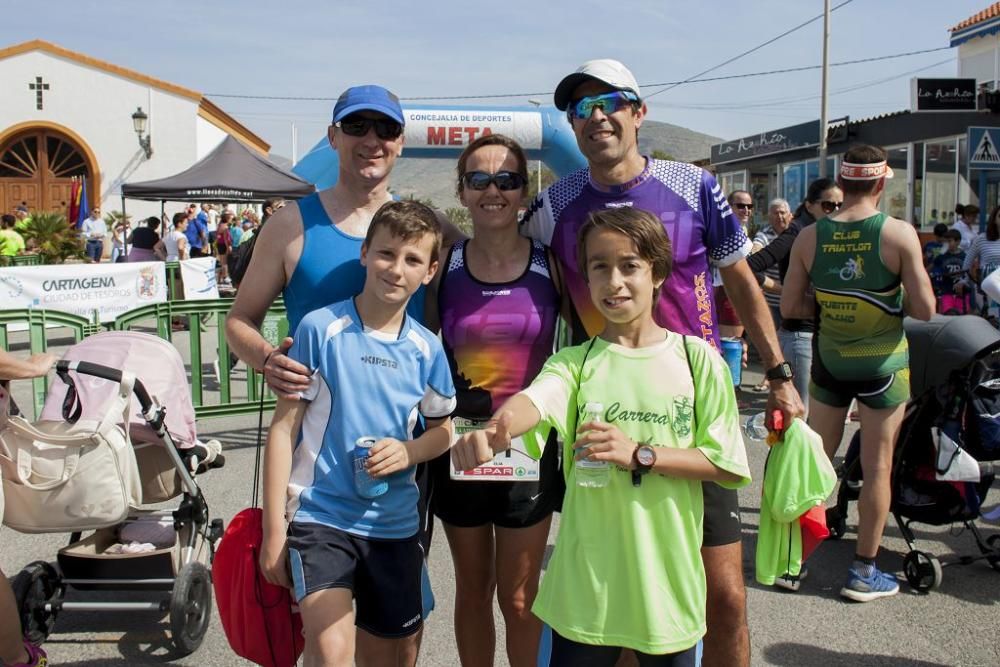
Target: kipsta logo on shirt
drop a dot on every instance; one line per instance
(381, 362)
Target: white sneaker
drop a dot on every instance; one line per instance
(791, 582)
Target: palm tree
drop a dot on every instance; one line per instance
(50, 236)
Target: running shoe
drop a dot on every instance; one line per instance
(36, 656)
(791, 582)
(865, 589)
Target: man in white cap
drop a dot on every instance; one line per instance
(867, 270)
(605, 109)
(310, 252)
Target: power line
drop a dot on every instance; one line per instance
(671, 86)
(746, 75)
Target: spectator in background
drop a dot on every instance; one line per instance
(224, 245)
(934, 248)
(197, 231)
(235, 231)
(174, 246)
(119, 233)
(93, 230)
(968, 225)
(984, 252)
(11, 243)
(143, 240)
(779, 216)
(946, 276)
(271, 206)
(211, 222)
(21, 215)
(248, 231)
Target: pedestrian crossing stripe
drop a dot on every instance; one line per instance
(986, 151)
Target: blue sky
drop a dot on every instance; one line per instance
(447, 48)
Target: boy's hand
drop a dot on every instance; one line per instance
(604, 442)
(387, 456)
(480, 446)
(274, 561)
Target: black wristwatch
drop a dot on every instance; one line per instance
(645, 458)
(782, 371)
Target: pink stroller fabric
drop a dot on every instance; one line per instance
(154, 361)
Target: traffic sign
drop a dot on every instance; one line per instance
(984, 147)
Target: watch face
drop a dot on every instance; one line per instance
(645, 456)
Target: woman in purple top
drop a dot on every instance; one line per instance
(498, 304)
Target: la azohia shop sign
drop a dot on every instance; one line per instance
(943, 94)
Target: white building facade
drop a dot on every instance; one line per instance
(67, 115)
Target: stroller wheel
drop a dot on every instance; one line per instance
(190, 607)
(836, 523)
(34, 586)
(922, 570)
(993, 542)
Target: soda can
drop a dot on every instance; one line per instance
(366, 485)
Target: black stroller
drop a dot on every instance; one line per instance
(954, 365)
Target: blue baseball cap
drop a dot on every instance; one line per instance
(368, 98)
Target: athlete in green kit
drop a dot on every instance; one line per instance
(867, 272)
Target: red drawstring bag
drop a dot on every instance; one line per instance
(814, 530)
(258, 617)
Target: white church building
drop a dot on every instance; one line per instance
(66, 114)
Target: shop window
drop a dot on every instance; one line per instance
(940, 162)
(896, 196)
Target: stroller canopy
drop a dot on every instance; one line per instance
(945, 344)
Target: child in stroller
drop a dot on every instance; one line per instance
(167, 455)
(950, 424)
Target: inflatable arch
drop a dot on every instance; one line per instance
(442, 132)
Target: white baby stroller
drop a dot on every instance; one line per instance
(132, 547)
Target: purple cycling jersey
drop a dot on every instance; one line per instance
(695, 215)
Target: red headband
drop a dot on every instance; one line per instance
(864, 172)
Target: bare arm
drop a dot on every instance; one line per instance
(14, 368)
(264, 280)
(918, 295)
(795, 300)
(741, 286)
(389, 455)
(281, 435)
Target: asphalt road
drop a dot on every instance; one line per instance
(955, 625)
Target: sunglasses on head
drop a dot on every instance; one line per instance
(830, 206)
(504, 180)
(609, 103)
(742, 206)
(358, 126)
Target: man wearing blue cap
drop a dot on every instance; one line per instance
(310, 250)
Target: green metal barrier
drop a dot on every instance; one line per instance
(190, 319)
(25, 260)
(40, 323)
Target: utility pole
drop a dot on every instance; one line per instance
(823, 93)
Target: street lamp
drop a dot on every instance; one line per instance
(139, 121)
(538, 103)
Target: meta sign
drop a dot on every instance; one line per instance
(449, 128)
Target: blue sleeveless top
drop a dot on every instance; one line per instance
(329, 269)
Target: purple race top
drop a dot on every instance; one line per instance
(695, 215)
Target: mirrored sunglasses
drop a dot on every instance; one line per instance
(608, 103)
(504, 180)
(358, 126)
(830, 206)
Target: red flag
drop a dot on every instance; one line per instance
(74, 201)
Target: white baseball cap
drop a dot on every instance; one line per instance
(605, 70)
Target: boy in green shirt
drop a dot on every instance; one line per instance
(627, 570)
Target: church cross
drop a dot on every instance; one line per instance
(38, 87)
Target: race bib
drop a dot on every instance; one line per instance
(512, 465)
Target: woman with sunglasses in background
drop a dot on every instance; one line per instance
(498, 300)
(795, 336)
(981, 260)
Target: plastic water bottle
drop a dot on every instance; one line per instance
(592, 474)
(755, 427)
(366, 485)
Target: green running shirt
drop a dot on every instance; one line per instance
(860, 301)
(627, 569)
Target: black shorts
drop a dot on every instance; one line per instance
(722, 516)
(504, 504)
(568, 653)
(386, 576)
(221, 248)
(197, 252)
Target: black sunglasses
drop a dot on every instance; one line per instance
(504, 180)
(830, 206)
(741, 206)
(358, 126)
